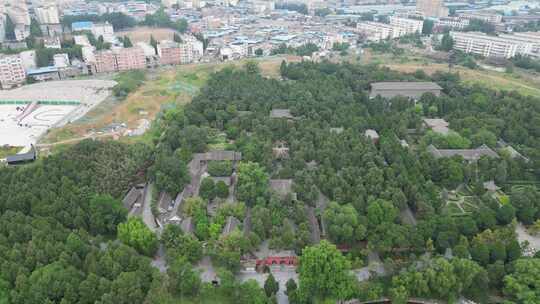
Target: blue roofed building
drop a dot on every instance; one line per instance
(81, 26)
(44, 73)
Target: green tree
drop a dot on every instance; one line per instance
(135, 234)
(170, 174)
(105, 214)
(35, 30)
(222, 190)
(51, 283)
(505, 214)
(271, 286)
(324, 272)
(427, 28)
(380, 211)
(447, 43)
(290, 286)
(480, 253)
(179, 244)
(498, 252)
(523, 285)
(249, 292)
(252, 67)
(127, 42)
(10, 29)
(343, 224)
(128, 287)
(177, 38)
(399, 295)
(154, 43)
(183, 279)
(207, 189)
(252, 182)
(4, 292)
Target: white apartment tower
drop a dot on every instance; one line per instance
(505, 45)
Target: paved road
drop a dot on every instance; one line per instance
(523, 235)
(159, 260)
(147, 216)
(374, 266)
(321, 204)
(314, 223)
(407, 216)
(76, 140)
(208, 273)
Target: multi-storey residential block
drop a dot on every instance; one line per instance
(130, 58)
(105, 61)
(11, 71)
(452, 23)
(505, 46)
(47, 14)
(406, 26)
(484, 16)
(375, 31)
(170, 52)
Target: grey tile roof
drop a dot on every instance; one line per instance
(467, 154)
(281, 186)
(281, 113)
(132, 197)
(402, 85)
(231, 224)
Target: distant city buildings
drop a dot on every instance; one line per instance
(432, 8)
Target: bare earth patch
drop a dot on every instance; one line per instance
(164, 86)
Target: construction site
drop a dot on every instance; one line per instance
(27, 113)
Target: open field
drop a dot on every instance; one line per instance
(518, 81)
(164, 87)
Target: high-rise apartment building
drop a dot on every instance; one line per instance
(432, 8)
(47, 14)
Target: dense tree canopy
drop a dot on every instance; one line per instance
(324, 272)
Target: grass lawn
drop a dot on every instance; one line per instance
(410, 62)
(451, 209)
(8, 150)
